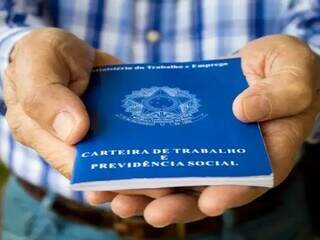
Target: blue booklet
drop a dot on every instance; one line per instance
(168, 125)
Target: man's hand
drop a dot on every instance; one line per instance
(48, 71)
(283, 94)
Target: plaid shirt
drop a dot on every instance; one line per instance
(144, 31)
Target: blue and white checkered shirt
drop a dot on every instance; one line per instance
(145, 31)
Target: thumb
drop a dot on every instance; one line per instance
(102, 58)
(277, 96)
(72, 122)
(44, 95)
(280, 71)
(58, 110)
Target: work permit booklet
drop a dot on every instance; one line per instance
(168, 125)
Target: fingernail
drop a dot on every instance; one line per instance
(256, 108)
(63, 125)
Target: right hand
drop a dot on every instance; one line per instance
(48, 71)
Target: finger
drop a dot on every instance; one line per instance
(214, 200)
(281, 80)
(97, 198)
(273, 97)
(102, 59)
(29, 133)
(283, 138)
(175, 208)
(127, 206)
(152, 193)
(9, 92)
(43, 92)
(59, 111)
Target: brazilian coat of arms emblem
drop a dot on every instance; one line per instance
(161, 106)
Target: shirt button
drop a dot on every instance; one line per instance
(153, 36)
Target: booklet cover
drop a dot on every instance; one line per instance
(168, 125)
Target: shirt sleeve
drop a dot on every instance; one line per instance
(17, 18)
(302, 20)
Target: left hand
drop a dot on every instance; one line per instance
(283, 94)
